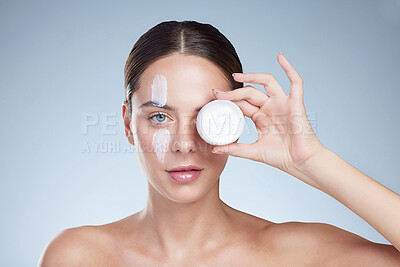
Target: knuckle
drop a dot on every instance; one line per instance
(298, 80)
(250, 92)
(268, 76)
(248, 89)
(270, 80)
(299, 77)
(245, 90)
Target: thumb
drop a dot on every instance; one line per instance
(235, 149)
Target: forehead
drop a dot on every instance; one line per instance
(189, 81)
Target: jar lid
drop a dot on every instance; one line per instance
(220, 122)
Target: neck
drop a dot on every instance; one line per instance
(182, 229)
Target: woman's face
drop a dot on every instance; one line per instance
(170, 139)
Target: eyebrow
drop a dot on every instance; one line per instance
(167, 107)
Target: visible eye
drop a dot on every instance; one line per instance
(159, 116)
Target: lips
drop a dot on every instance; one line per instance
(184, 174)
(185, 168)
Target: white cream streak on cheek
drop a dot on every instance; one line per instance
(159, 90)
(160, 143)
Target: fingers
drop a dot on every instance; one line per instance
(241, 150)
(271, 85)
(248, 109)
(249, 93)
(296, 82)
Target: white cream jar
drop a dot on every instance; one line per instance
(220, 122)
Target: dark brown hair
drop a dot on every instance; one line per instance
(186, 37)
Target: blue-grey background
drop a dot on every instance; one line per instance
(62, 65)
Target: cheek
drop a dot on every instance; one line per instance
(152, 142)
(160, 143)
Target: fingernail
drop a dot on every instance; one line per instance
(218, 91)
(217, 152)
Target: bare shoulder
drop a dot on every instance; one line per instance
(320, 244)
(76, 246)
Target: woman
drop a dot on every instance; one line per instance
(170, 74)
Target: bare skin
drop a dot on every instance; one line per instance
(189, 225)
(252, 242)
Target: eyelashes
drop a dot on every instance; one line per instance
(153, 118)
(154, 115)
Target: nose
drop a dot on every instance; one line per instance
(186, 138)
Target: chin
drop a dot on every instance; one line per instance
(186, 192)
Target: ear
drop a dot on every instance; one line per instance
(127, 122)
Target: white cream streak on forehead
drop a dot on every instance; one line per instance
(159, 90)
(160, 143)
